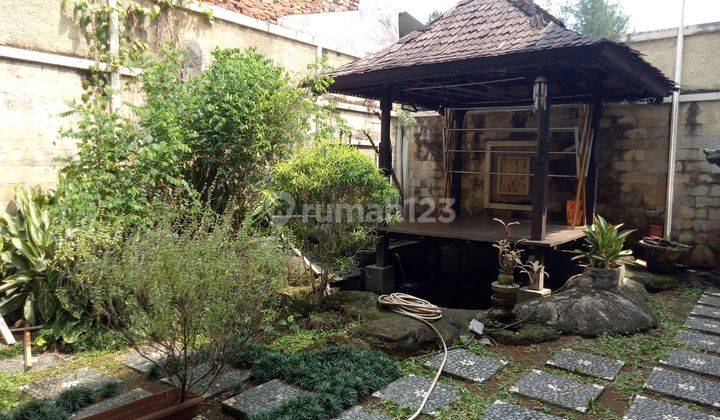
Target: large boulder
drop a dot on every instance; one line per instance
(653, 282)
(589, 311)
(401, 336)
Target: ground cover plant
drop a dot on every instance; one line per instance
(69, 401)
(338, 377)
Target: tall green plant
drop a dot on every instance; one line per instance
(603, 18)
(604, 244)
(27, 247)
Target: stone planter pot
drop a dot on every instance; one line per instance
(505, 278)
(504, 296)
(662, 259)
(606, 278)
(163, 405)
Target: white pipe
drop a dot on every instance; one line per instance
(114, 32)
(675, 122)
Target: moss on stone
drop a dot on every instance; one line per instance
(527, 334)
(653, 282)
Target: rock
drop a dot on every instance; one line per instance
(527, 334)
(357, 305)
(653, 282)
(701, 257)
(591, 312)
(399, 335)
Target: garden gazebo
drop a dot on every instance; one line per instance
(501, 55)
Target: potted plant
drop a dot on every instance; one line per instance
(187, 299)
(661, 255)
(605, 253)
(536, 273)
(505, 289)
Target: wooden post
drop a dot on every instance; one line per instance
(27, 347)
(540, 193)
(457, 162)
(385, 149)
(592, 175)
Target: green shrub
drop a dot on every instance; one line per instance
(333, 196)
(27, 245)
(108, 389)
(43, 409)
(198, 292)
(337, 376)
(73, 399)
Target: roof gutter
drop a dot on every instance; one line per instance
(674, 126)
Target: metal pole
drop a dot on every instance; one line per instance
(674, 124)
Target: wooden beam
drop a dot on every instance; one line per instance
(457, 162)
(592, 175)
(385, 149)
(542, 162)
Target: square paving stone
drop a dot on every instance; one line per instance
(706, 312)
(359, 413)
(226, 380)
(16, 366)
(557, 390)
(704, 325)
(116, 401)
(262, 398)
(645, 408)
(51, 387)
(699, 341)
(136, 361)
(692, 361)
(715, 292)
(410, 391)
(709, 300)
(467, 365)
(684, 386)
(504, 411)
(586, 364)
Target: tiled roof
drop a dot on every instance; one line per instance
(477, 29)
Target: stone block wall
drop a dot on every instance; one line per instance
(270, 10)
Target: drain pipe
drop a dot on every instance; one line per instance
(674, 125)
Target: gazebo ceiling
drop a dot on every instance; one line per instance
(488, 53)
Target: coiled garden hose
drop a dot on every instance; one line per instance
(423, 311)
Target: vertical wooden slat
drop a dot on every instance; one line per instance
(542, 166)
(385, 150)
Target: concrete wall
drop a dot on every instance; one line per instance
(33, 93)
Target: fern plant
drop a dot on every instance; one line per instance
(604, 244)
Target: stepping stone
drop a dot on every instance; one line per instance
(504, 411)
(709, 301)
(467, 365)
(116, 401)
(695, 362)
(704, 325)
(645, 408)
(714, 292)
(229, 378)
(586, 364)
(359, 413)
(15, 366)
(51, 387)
(135, 361)
(684, 386)
(410, 391)
(706, 312)
(557, 390)
(699, 341)
(262, 398)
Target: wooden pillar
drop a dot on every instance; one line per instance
(457, 163)
(385, 149)
(591, 183)
(540, 193)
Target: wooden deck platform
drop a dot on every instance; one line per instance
(484, 229)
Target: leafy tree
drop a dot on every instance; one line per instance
(433, 15)
(333, 196)
(602, 18)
